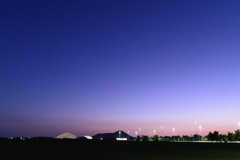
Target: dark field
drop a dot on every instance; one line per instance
(95, 150)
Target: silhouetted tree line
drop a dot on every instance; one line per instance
(168, 138)
(219, 137)
(215, 136)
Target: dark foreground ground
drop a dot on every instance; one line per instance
(113, 150)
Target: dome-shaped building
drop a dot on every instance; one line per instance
(66, 136)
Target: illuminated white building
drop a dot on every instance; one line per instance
(66, 136)
(118, 135)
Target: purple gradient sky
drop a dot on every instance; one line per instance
(89, 67)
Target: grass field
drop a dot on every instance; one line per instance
(113, 150)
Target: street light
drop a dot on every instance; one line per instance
(200, 127)
(196, 130)
(119, 133)
(136, 133)
(162, 131)
(239, 124)
(154, 131)
(174, 133)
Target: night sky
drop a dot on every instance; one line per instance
(96, 66)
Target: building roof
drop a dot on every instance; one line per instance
(66, 135)
(117, 134)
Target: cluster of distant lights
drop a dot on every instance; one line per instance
(22, 138)
(154, 131)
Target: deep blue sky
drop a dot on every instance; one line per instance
(95, 66)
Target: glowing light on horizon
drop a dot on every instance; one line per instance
(121, 139)
(88, 137)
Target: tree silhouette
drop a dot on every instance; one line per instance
(138, 138)
(210, 136)
(215, 136)
(155, 138)
(231, 136)
(225, 139)
(237, 135)
(220, 137)
(145, 138)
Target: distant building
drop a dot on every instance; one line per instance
(85, 137)
(66, 136)
(119, 136)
